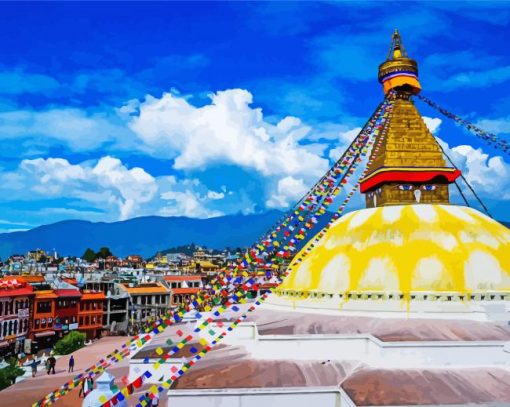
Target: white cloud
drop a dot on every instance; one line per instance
(432, 123)
(186, 203)
(489, 176)
(497, 126)
(226, 131)
(288, 191)
(215, 195)
(105, 183)
(76, 129)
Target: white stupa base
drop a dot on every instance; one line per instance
(476, 310)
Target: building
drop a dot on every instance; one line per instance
(182, 288)
(405, 302)
(66, 309)
(16, 302)
(43, 333)
(116, 312)
(91, 313)
(147, 300)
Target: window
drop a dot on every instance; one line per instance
(81, 320)
(37, 324)
(5, 329)
(15, 327)
(25, 325)
(10, 325)
(1, 307)
(87, 321)
(43, 307)
(43, 323)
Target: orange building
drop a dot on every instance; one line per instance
(43, 318)
(90, 313)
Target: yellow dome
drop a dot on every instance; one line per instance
(406, 248)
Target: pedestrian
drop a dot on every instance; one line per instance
(155, 400)
(52, 362)
(84, 387)
(90, 385)
(33, 365)
(148, 399)
(71, 364)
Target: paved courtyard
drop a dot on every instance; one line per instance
(24, 393)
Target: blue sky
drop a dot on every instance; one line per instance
(115, 110)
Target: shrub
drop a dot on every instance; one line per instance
(73, 341)
(8, 374)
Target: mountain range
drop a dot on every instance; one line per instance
(144, 235)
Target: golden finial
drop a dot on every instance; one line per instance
(399, 69)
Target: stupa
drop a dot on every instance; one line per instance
(405, 302)
(411, 249)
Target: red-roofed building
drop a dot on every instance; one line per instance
(43, 334)
(90, 314)
(15, 312)
(66, 310)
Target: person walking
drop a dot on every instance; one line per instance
(52, 362)
(71, 364)
(90, 385)
(33, 365)
(83, 388)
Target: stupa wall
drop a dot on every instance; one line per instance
(391, 194)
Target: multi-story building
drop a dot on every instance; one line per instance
(147, 300)
(90, 313)
(43, 334)
(66, 309)
(182, 288)
(16, 297)
(116, 312)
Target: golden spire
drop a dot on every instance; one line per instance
(399, 71)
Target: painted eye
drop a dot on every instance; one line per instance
(429, 187)
(378, 191)
(405, 187)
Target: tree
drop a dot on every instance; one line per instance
(73, 341)
(89, 255)
(103, 253)
(8, 374)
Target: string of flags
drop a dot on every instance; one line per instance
(155, 389)
(231, 287)
(490, 138)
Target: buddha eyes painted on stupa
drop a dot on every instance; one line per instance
(410, 187)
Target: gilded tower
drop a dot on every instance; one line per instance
(408, 167)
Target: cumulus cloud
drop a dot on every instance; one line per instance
(288, 191)
(107, 182)
(76, 129)
(433, 123)
(228, 131)
(490, 176)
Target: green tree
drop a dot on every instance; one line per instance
(73, 341)
(89, 255)
(103, 253)
(9, 373)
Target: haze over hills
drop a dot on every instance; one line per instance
(145, 235)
